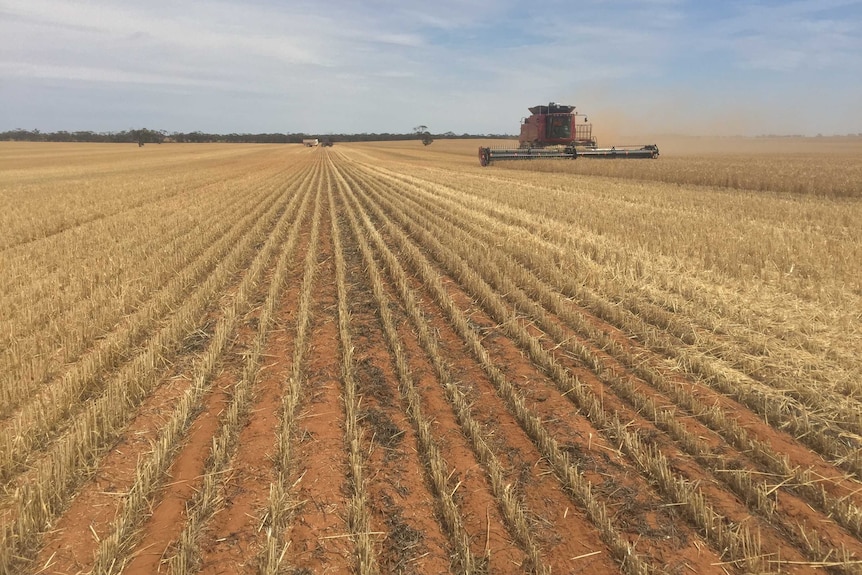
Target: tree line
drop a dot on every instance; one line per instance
(146, 136)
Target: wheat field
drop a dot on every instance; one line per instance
(383, 358)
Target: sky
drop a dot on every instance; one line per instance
(474, 66)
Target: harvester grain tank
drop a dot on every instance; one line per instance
(558, 131)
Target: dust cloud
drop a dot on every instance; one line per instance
(684, 122)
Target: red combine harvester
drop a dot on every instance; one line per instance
(556, 131)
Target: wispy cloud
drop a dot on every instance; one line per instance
(376, 65)
(789, 36)
(101, 75)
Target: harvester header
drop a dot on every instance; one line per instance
(558, 131)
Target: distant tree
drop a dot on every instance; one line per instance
(143, 135)
(61, 136)
(424, 134)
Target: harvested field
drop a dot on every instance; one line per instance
(382, 358)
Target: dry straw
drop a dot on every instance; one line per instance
(70, 458)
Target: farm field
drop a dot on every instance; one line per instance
(383, 358)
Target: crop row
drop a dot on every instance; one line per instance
(851, 518)
(587, 269)
(431, 373)
(101, 412)
(574, 482)
(832, 175)
(738, 480)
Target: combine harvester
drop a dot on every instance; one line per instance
(553, 131)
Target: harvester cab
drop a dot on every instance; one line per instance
(555, 124)
(557, 131)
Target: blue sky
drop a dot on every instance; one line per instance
(634, 66)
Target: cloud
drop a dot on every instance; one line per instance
(386, 65)
(789, 36)
(100, 75)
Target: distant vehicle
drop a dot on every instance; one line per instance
(553, 131)
(311, 142)
(326, 142)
